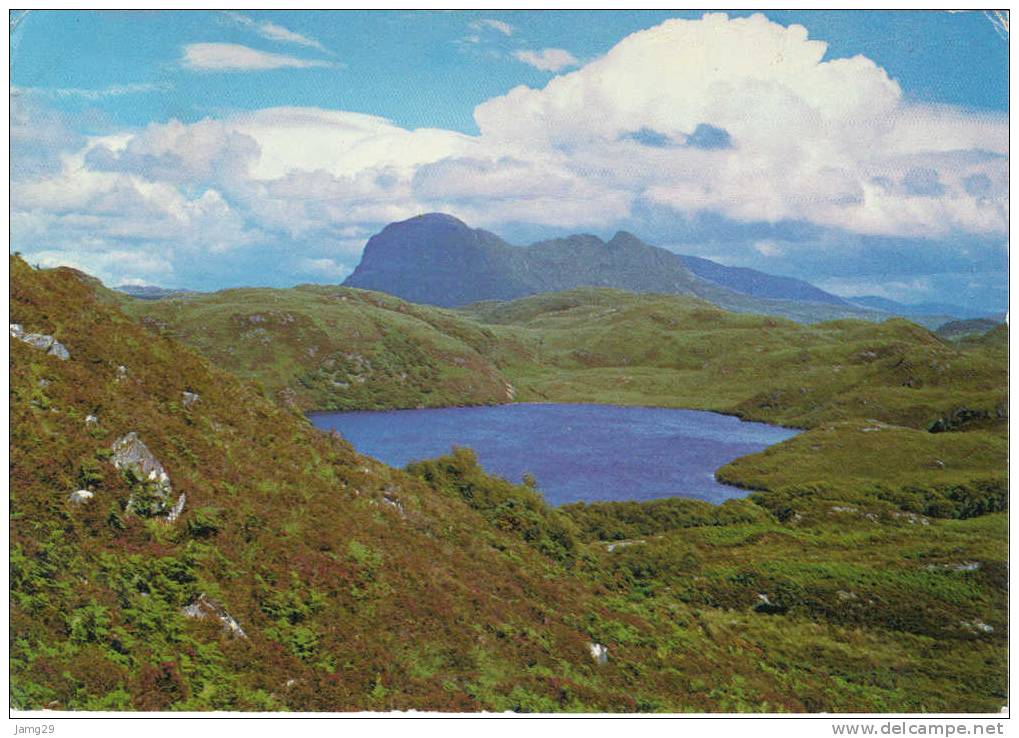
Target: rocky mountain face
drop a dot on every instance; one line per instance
(439, 260)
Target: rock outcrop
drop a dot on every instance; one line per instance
(41, 341)
(151, 490)
(205, 607)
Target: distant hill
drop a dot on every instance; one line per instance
(437, 259)
(922, 308)
(973, 327)
(758, 284)
(148, 291)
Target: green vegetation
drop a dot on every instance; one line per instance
(333, 348)
(867, 571)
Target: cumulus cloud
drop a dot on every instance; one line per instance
(547, 60)
(275, 32)
(773, 131)
(237, 58)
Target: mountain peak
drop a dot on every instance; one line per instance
(432, 219)
(624, 238)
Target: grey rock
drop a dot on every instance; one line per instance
(153, 490)
(59, 350)
(81, 496)
(205, 607)
(599, 653)
(177, 509)
(190, 398)
(91, 420)
(38, 340)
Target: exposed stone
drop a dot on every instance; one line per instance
(599, 653)
(38, 340)
(59, 350)
(177, 508)
(121, 372)
(393, 501)
(205, 607)
(91, 420)
(977, 626)
(151, 489)
(622, 544)
(81, 496)
(767, 607)
(41, 341)
(190, 398)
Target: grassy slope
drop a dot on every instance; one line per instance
(335, 348)
(489, 605)
(347, 603)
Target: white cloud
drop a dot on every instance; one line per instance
(112, 267)
(496, 25)
(324, 269)
(805, 139)
(547, 60)
(275, 32)
(237, 58)
(790, 136)
(94, 94)
(768, 248)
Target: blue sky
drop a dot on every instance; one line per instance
(216, 149)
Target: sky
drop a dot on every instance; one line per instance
(866, 152)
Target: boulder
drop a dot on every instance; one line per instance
(81, 496)
(205, 607)
(599, 653)
(59, 350)
(41, 341)
(190, 398)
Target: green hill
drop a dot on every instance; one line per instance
(300, 575)
(335, 348)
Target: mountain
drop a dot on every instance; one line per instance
(437, 259)
(758, 284)
(923, 308)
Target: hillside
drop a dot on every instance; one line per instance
(437, 259)
(611, 346)
(299, 575)
(335, 348)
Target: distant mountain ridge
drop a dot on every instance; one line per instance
(149, 292)
(758, 284)
(922, 308)
(438, 259)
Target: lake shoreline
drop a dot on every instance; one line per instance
(579, 452)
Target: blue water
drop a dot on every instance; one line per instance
(576, 452)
